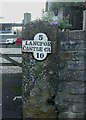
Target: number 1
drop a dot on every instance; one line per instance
(40, 55)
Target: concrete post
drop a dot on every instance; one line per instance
(27, 18)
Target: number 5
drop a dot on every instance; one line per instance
(40, 37)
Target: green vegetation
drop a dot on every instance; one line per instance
(63, 23)
(57, 5)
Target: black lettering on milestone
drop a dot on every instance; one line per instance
(40, 37)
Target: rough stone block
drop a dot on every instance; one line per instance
(75, 65)
(68, 75)
(63, 97)
(72, 55)
(70, 115)
(72, 35)
(72, 87)
(77, 107)
(77, 35)
(72, 45)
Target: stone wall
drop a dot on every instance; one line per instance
(70, 98)
(54, 87)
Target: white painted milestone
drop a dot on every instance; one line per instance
(40, 46)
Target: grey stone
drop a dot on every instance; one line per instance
(68, 75)
(72, 87)
(72, 35)
(72, 45)
(72, 55)
(66, 102)
(63, 97)
(77, 107)
(75, 65)
(70, 115)
(77, 35)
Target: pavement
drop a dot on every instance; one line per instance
(12, 95)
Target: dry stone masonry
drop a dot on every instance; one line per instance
(70, 98)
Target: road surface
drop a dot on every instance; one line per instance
(11, 92)
(10, 85)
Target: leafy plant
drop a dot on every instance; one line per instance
(48, 16)
(62, 23)
(57, 5)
